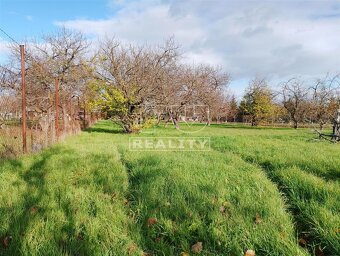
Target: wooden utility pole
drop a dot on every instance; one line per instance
(57, 108)
(84, 115)
(23, 96)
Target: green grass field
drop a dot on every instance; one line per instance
(272, 190)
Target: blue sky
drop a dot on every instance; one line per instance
(25, 18)
(271, 38)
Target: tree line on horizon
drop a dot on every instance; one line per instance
(137, 84)
(295, 102)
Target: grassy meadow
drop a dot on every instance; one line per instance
(272, 190)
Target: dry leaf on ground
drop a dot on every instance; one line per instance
(319, 252)
(258, 218)
(6, 241)
(250, 253)
(302, 242)
(184, 254)
(197, 248)
(152, 221)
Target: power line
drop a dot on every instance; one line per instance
(12, 39)
(6, 34)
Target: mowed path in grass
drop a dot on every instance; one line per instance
(90, 195)
(306, 171)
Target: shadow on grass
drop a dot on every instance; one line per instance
(249, 127)
(331, 174)
(34, 179)
(10, 163)
(303, 224)
(31, 210)
(113, 130)
(146, 173)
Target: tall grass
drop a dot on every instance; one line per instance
(307, 172)
(261, 189)
(68, 200)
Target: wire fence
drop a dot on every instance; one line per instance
(33, 117)
(49, 118)
(10, 124)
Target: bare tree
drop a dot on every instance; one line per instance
(294, 99)
(137, 82)
(202, 86)
(130, 78)
(323, 99)
(221, 108)
(211, 87)
(61, 56)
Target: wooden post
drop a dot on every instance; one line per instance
(336, 126)
(57, 108)
(84, 115)
(23, 96)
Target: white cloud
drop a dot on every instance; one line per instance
(29, 17)
(272, 38)
(151, 25)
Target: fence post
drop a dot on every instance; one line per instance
(23, 91)
(84, 115)
(57, 108)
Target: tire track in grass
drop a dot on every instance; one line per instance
(208, 198)
(313, 202)
(278, 153)
(66, 200)
(316, 205)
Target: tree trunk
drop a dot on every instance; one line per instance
(174, 120)
(295, 124)
(321, 126)
(65, 121)
(158, 119)
(253, 121)
(127, 128)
